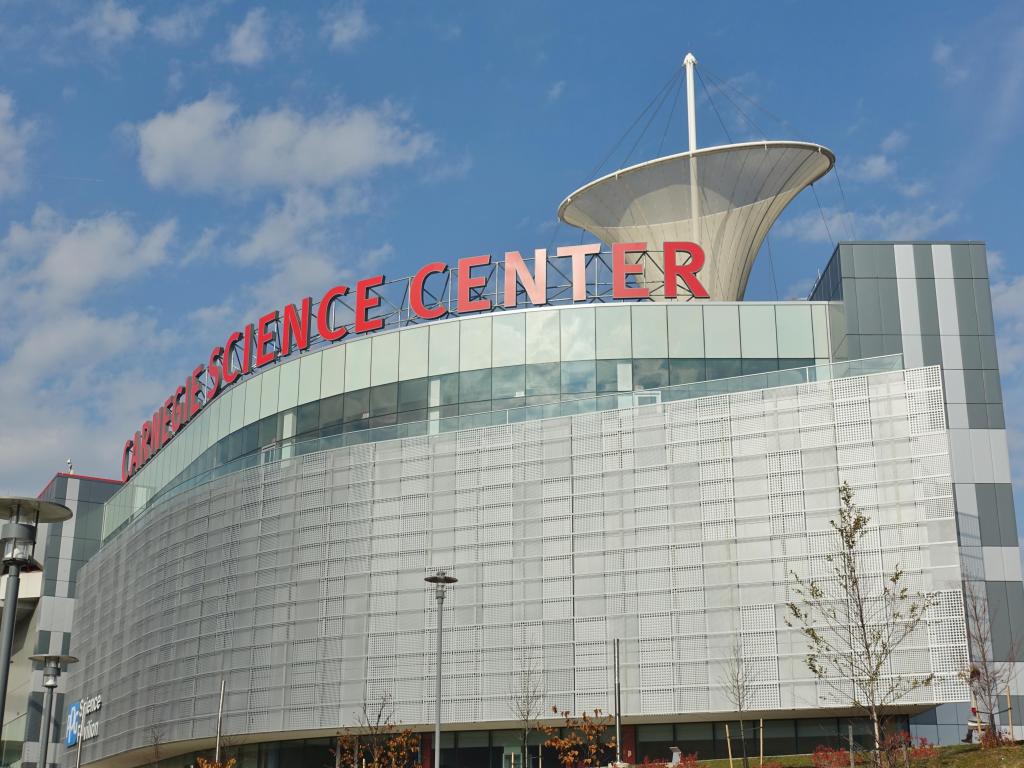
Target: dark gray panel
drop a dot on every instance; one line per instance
(890, 304)
(962, 262)
(999, 618)
(988, 514)
(979, 260)
(885, 260)
(970, 351)
(1015, 617)
(993, 387)
(931, 347)
(996, 420)
(966, 308)
(989, 357)
(927, 306)
(983, 302)
(974, 387)
(1007, 516)
(923, 264)
(977, 416)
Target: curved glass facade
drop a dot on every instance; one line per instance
(477, 365)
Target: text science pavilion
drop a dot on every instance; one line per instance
(601, 442)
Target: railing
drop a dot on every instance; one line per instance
(289, 448)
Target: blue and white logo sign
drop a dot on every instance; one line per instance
(74, 723)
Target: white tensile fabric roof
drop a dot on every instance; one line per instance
(742, 188)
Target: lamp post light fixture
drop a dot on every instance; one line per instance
(18, 544)
(52, 665)
(440, 580)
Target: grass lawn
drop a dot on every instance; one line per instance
(963, 756)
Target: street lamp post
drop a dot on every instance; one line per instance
(440, 580)
(52, 665)
(18, 538)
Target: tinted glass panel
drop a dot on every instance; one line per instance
(357, 405)
(412, 394)
(331, 410)
(686, 371)
(383, 399)
(578, 377)
(474, 386)
(543, 379)
(509, 381)
(650, 373)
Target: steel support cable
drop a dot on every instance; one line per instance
(711, 101)
(671, 114)
(824, 220)
(675, 73)
(786, 124)
(722, 89)
(650, 120)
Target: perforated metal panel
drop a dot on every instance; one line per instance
(672, 526)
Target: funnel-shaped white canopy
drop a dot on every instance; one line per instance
(740, 191)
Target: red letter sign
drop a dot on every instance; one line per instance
(688, 271)
(467, 283)
(264, 335)
(365, 302)
(323, 315)
(416, 291)
(579, 255)
(620, 269)
(534, 286)
(295, 325)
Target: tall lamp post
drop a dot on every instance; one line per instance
(52, 665)
(18, 539)
(440, 580)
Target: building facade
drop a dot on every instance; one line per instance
(647, 471)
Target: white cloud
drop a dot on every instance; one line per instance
(556, 90)
(207, 146)
(344, 26)
(871, 168)
(904, 224)
(14, 138)
(247, 44)
(895, 141)
(913, 189)
(183, 25)
(450, 169)
(78, 371)
(953, 71)
(108, 24)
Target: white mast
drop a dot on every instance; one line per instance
(691, 124)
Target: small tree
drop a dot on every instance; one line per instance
(525, 698)
(987, 677)
(156, 738)
(853, 634)
(583, 742)
(737, 682)
(202, 762)
(376, 740)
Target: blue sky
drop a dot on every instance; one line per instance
(166, 169)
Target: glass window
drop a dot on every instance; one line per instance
(614, 375)
(331, 410)
(357, 366)
(509, 381)
(474, 386)
(252, 400)
(543, 379)
(412, 355)
(821, 340)
(250, 438)
(577, 333)
(795, 331)
(412, 394)
(443, 390)
(288, 394)
(444, 348)
(650, 331)
(721, 331)
(779, 737)
(686, 330)
(307, 418)
(383, 359)
(613, 338)
(310, 371)
(757, 331)
(268, 395)
(579, 376)
(723, 369)
(650, 373)
(267, 431)
(542, 337)
(759, 364)
(357, 405)
(814, 731)
(686, 371)
(332, 371)
(475, 344)
(509, 338)
(383, 399)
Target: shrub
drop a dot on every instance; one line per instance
(829, 757)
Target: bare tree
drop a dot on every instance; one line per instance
(526, 701)
(156, 738)
(376, 740)
(737, 681)
(856, 621)
(987, 677)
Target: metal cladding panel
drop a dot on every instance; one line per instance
(672, 526)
